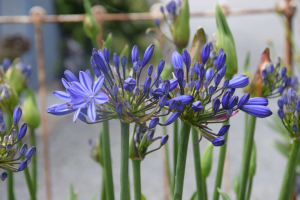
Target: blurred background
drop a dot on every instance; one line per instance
(66, 46)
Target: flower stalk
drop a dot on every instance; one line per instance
(10, 181)
(197, 164)
(136, 165)
(181, 159)
(246, 158)
(288, 184)
(33, 161)
(124, 160)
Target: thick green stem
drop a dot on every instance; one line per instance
(10, 181)
(136, 166)
(181, 160)
(175, 145)
(103, 189)
(220, 169)
(33, 161)
(249, 188)
(197, 163)
(109, 185)
(204, 188)
(246, 158)
(288, 185)
(124, 160)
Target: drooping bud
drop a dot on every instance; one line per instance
(223, 130)
(219, 141)
(172, 118)
(153, 123)
(164, 140)
(216, 105)
(22, 131)
(119, 109)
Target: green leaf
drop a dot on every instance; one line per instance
(194, 196)
(30, 111)
(108, 41)
(181, 27)
(199, 41)
(206, 160)
(226, 41)
(223, 194)
(236, 185)
(73, 195)
(143, 197)
(252, 168)
(90, 26)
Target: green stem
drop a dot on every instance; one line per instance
(175, 150)
(288, 185)
(197, 163)
(220, 169)
(249, 188)
(33, 161)
(246, 158)
(181, 160)
(10, 181)
(109, 185)
(103, 189)
(204, 188)
(136, 167)
(124, 160)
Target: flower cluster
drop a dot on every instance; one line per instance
(201, 99)
(9, 146)
(289, 109)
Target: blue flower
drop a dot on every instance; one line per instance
(197, 106)
(22, 131)
(160, 67)
(258, 101)
(257, 110)
(153, 123)
(216, 105)
(177, 60)
(179, 106)
(238, 82)
(185, 99)
(186, 58)
(129, 84)
(17, 114)
(3, 176)
(116, 61)
(221, 60)
(171, 7)
(179, 74)
(209, 74)
(219, 141)
(148, 54)
(205, 53)
(135, 54)
(244, 99)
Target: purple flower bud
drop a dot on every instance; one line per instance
(106, 54)
(186, 58)
(295, 128)
(216, 105)
(119, 109)
(185, 99)
(225, 99)
(162, 9)
(197, 106)
(221, 61)
(172, 118)
(297, 106)
(205, 53)
(238, 82)
(1, 118)
(123, 61)
(191, 71)
(179, 106)
(222, 71)
(166, 87)
(147, 84)
(127, 105)
(163, 101)
(281, 113)
(283, 71)
(100, 63)
(233, 101)
(229, 112)
(135, 67)
(17, 114)
(30, 152)
(197, 69)
(270, 69)
(164, 140)
(288, 82)
(257, 111)
(153, 123)
(150, 135)
(171, 7)
(135, 54)
(197, 84)
(23, 165)
(157, 22)
(116, 61)
(264, 73)
(223, 130)
(129, 84)
(217, 79)
(284, 99)
(160, 67)
(22, 131)
(225, 84)
(211, 90)
(179, 74)
(219, 141)
(177, 60)
(97, 71)
(70, 76)
(157, 93)
(244, 99)
(209, 74)
(280, 89)
(280, 103)
(261, 101)
(3, 176)
(148, 54)
(171, 105)
(150, 70)
(23, 149)
(159, 81)
(173, 84)
(115, 90)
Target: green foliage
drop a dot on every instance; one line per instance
(225, 40)
(223, 195)
(73, 194)
(194, 196)
(143, 197)
(90, 26)
(108, 41)
(199, 41)
(236, 185)
(206, 160)
(30, 111)
(252, 168)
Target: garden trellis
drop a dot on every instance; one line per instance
(38, 17)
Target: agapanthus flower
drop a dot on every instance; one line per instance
(205, 100)
(9, 146)
(289, 110)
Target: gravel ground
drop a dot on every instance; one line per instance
(69, 150)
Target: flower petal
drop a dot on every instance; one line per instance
(258, 101)
(65, 83)
(86, 81)
(238, 82)
(62, 111)
(77, 89)
(92, 111)
(70, 76)
(79, 103)
(76, 115)
(62, 95)
(101, 98)
(98, 84)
